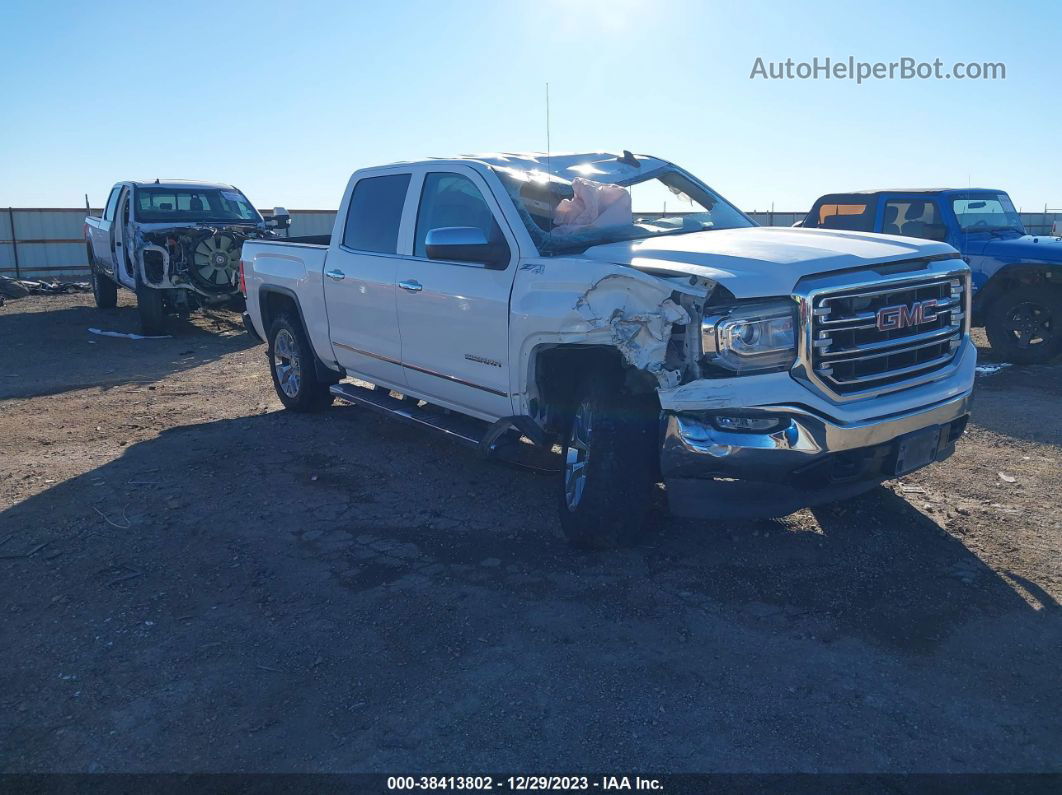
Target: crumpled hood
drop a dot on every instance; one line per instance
(1028, 248)
(763, 261)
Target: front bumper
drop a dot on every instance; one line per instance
(808, 459)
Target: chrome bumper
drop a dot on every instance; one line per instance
(809, 458)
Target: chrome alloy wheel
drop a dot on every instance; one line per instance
(286, 363)
(577, 456)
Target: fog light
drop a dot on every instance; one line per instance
(727, 422)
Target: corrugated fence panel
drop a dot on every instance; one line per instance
(50, 240)
(312, 222)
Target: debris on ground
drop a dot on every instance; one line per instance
(123, 335)
(991, 369)
(12, 288)
(1007, 478)
(20, 288)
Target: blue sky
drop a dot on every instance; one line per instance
(286, 99)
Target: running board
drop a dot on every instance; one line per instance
(456, 426)
(500, 441)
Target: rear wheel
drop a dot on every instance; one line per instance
(152, 309)
(104, 290)
(609, 467)
(291, 362)
(1025, 325)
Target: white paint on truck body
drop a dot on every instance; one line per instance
(629, 296)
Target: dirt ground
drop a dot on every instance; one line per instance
(195, 580)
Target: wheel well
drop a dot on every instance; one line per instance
(273, 304)
(1009, 278)
(558, 370)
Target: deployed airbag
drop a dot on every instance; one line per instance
(594, 205)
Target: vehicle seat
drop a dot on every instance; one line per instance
(913, 225)
(195, 204)
(890, 227)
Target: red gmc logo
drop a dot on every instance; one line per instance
(891, 318)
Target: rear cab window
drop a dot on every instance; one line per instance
(112, 203)
(851, 215)
(912, 217)
(375, 214)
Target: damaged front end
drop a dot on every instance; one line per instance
(201, 259)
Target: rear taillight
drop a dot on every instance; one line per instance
(243, 281)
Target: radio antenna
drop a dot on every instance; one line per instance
(547, 130)
(549, 169)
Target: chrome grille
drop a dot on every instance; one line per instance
(878, 337)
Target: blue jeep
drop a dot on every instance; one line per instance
(1017, 278)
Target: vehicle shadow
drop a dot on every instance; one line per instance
(873, 567)
(50, 350)
(209, 573)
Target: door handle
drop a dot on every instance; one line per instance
(335, 274)
(412, 285)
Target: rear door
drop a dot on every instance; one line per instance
(359, 278)
(100, 234)
(120, 240)
(454, 316)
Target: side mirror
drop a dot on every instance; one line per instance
(465, 244)
(281, 219)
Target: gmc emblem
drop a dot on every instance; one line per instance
(891, 318)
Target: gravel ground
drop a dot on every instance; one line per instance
(195, 580)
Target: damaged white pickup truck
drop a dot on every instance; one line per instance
(175, 243)
(619, 308)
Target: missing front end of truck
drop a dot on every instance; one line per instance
(202, 259)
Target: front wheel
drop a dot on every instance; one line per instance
(151, 308)
(609, 464)
(1024, 326)
(291, 361)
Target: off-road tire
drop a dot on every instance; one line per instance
(1020, 315)
(104, 290)
(619, 433)
(151, 308)
(292, 364)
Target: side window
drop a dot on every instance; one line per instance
(112, 202)
(375, 213)
(452, 200)
(852, 217)
(914, 218)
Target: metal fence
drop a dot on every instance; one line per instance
(49, 243)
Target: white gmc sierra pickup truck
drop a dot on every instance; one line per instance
(618, 307)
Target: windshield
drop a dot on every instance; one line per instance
(988, 213)
(564, 217)
(194, 205)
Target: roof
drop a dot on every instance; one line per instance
(569, 165)
(914, 190)
(180, 183)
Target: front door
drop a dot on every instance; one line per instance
(359, 280)
(454, 316)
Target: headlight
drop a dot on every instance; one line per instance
(746, 337)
